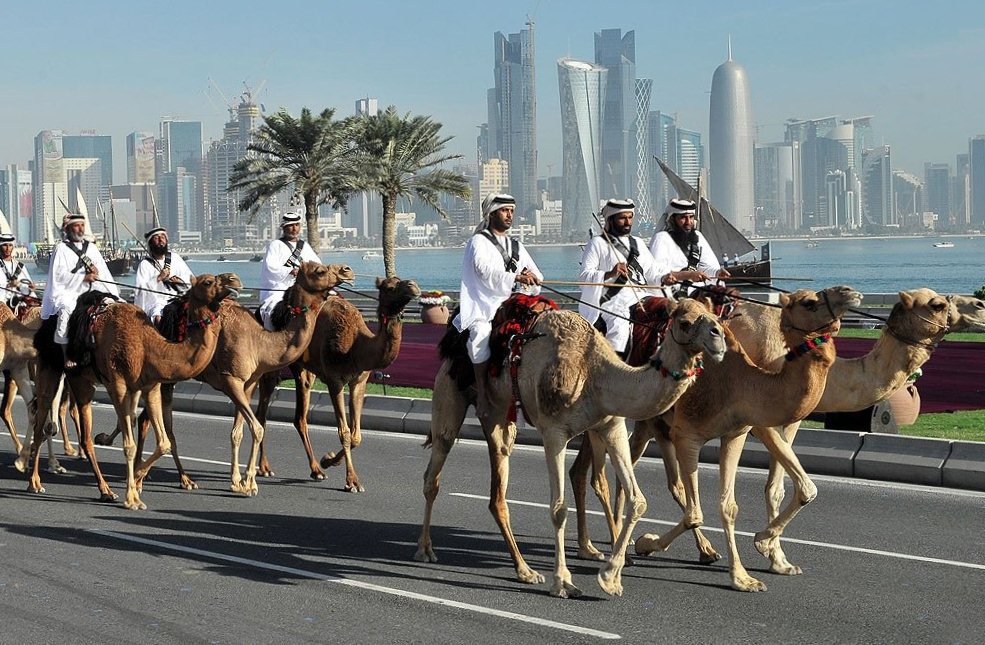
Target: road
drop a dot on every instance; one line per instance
(306, 562)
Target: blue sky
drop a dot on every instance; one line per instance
(117, 67)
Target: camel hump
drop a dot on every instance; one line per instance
(80, 324)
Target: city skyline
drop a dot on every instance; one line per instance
(430, 69)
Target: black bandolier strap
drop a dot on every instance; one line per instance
(294, 261)
(167, 267)
(15, 275)
(630, 256)
(510, 259)
(693, 253)
(85, 262)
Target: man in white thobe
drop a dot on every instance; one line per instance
(76, 266)
(281, 264)
(15, 280)
(685, 259)
(161, 275)
(615, 257)
(494, 266)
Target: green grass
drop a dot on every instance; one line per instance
(375, 388)
(966, 425)
(964, 337)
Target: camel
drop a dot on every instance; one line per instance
(129, 358)
(343, 353)
(735, 394)
(570, 381)
(852, 385)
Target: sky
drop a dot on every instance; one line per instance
(117, 67)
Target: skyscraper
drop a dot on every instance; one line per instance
(731, 145)
(511, 132)
(616, 52)
(976, 173)
(775, 186)
(644, 206)
(937, 194)
(92, 146)
(223, 219)
(179, 176)
(60, 176)
(878, 206)
(582, 88)
(659, 125)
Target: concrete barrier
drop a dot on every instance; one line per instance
(828, 452)
(385, 412)
(965, 466)
(903, 459)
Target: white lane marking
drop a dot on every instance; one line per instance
(509, 615)
(828, 545)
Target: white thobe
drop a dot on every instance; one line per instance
(150, 294)
(275, 274)
(65, 284)
(486, 284)
(669, 257)
(597, 259)
(23, 279)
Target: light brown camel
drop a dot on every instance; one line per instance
(918, 323)
(130, 358)
(343, 353)
(570, 381)
(735, 394)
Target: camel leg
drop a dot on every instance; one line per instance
(345, 438)
(499, 443)
(7, 410)
(64, 409)
(256, 430)
(153, 409)
(167, 413)
(727, 468)
(235, 440)
(303, 382)
(357, 394)
(266, 391)
(687, 449)
(50, 383)
(592, 452)
(768, 540)
(617, 445)
(554, 446)
(125, 403)
(82, 393)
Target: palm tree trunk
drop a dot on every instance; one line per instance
(390, 233)
(311, 218)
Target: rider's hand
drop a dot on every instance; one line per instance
(618, 270)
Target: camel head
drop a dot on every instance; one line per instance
(966, 313)
(808, 313)
(209, 291)
(395, 294)
(919, 318)
(693, 325)
(315, 277)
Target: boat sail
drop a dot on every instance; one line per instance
(724, 239)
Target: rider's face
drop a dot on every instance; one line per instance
(292, 231)
(6, 250)
(684, 221)
(621, 223)
(501, 220)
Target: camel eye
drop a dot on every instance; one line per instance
(811, 305)
(938, 306)
(685, 325)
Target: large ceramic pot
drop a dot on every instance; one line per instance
(435, 314)
(905, 404)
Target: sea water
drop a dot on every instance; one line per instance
(870, 265)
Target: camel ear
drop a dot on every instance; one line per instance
(379, 281)
(906, 299)
(784, 299)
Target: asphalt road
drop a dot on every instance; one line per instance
(306, 562)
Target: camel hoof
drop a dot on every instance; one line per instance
(646, 544)
(56, 468)
(328, 460)
(265, 473)
(188, 483)
(747, 583)
(530, 577)
(611, 583)
(108, 497)
(425, 555)
(709, 558)
(589, 552)
(565, 590)
(35, 488)
(20, 464)
(355, 487)
(103, 439)
(355, 439)
(70, 450)
(786, 569)
(317, 475)
(135, 505)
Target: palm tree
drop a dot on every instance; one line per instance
(314, 155)
(400, 159)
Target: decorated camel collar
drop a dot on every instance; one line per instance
(677, 375)
(808, 346)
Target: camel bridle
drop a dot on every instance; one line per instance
(827, 327)
(930, 345)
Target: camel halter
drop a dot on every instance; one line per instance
(830, 323)
(679, 375)
(929, 345)
(808, 346)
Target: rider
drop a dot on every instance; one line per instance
(615, 257)
(14, 277)
(161, 275)
(683, 255)
(494, 266)
(281, 264)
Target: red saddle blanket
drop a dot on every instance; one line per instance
(651, 318)
(515, 316)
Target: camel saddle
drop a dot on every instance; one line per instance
(515, 316)
(651, 319)
(81, 325)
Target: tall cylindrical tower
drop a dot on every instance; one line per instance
(731, 146)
